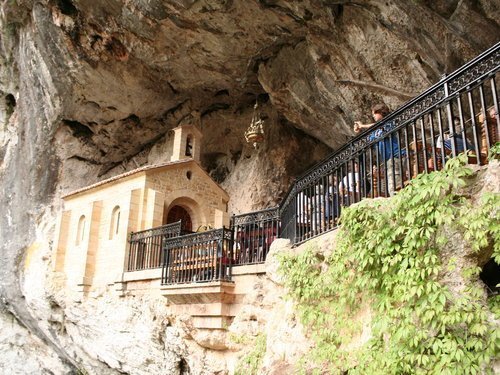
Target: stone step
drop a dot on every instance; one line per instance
(203, 309)
(212, 322)
(197, 293)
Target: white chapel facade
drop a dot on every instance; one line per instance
(94, 227)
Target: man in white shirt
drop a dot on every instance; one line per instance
(349, 186)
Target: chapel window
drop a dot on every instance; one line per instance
(80, 233)
(115, 223)
(189, 145)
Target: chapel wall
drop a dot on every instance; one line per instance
(189, 186)
(98, 258)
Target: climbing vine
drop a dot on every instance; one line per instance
(390, 258)
(252, 361)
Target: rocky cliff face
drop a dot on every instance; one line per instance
(91, 89)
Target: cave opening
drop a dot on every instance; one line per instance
(183, 367)
(490, 276)
(67, 7)
(10, 101)
(78, 129)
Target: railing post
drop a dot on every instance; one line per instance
(230, 257)
(292, 229)
(164, 272)
(129, 255)
(486, 140)
(495, 101)
(451, 122)
(232, 224)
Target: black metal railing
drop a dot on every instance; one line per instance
(253, 235)
(145, 249)
(198, 257)
(458, 114)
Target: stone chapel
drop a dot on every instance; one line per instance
(97, 220)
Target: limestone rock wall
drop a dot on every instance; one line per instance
(22, 352)
(92, 89)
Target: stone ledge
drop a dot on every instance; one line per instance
(199, 287)
(203, 309)
(154, 273)
(212, 322)
(218, 291)
(249, 269)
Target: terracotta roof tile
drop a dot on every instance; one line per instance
(126, 174)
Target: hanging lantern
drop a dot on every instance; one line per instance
(255, 132)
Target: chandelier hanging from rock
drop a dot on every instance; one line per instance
(255, 132)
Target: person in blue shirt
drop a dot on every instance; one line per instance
(446, 146)
(379, 111)
(388, 148)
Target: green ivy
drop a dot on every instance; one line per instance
(252, 362)
(389, 257)
(494, 152)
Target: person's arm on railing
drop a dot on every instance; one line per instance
(358, 126)
(379, 111)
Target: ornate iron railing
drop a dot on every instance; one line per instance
(253, 235)
(145, 249)
(459, 113)
(198, 257)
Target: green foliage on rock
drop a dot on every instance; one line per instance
(390, 260)
(494, 152)
(252, 362)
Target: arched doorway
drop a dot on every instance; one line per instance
(177, 213)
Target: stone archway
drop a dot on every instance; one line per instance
(177, 213)
(185, 209)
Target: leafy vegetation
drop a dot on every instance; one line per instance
(494, 152)
(252, 362)
(390, 260)
(240, 339)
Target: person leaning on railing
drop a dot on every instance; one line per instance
(446, 145)
(350, 185)
(490, 125)
(332, 209)
(318, 207)
(388, 149)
